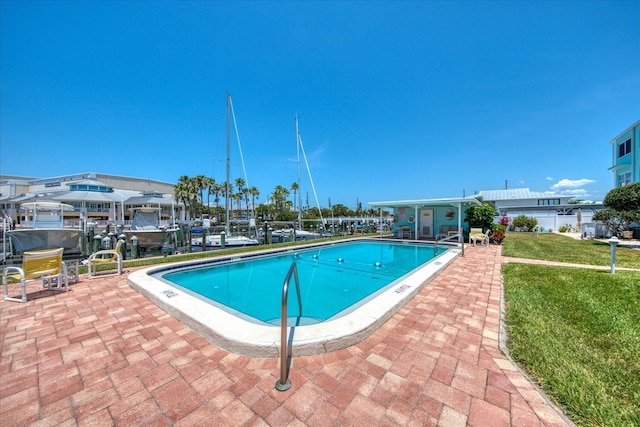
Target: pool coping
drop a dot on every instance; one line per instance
(240, 336)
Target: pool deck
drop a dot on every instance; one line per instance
(102, 354)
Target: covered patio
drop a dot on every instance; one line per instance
(428, 218)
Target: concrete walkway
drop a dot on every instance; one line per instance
(102, 354)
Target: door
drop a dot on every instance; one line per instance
(426, 223)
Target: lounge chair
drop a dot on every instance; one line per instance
(106, 256)
(476, 235)
(45, 265)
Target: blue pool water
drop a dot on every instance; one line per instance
(333, 279)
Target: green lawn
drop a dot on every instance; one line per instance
(556, 247)
(576, 331)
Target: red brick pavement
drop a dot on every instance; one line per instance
(102, 354)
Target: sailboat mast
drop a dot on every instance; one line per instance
(227, 184)
(299, 188)
(313, 187)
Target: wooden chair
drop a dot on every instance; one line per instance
(106, 256)
(45, 265)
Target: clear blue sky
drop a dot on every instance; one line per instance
(396, 100)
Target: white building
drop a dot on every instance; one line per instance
(99, 197)
(551, 211)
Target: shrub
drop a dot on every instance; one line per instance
(525, 223)
(500, 227)
(563, 229)
(498, 236)
(481, 216)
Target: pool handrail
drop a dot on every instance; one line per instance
(451, 237)
(283, 383)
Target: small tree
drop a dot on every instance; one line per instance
(616, 222)
(623, 208)
(624, 199)
(481, 216)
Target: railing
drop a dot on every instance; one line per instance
(458, 237)
(283, 383)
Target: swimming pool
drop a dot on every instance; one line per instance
(221, 300)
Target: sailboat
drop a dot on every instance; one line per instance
(287, 234)
(231, 240)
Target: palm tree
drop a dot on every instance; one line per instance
(238, 198)
(279, 196)
(187, 192)
(217, 191)
(295, 187)
(210, 183)
(200, 183)
(181, 191)
(240, 194)
(253, 192)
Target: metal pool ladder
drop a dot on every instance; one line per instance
(283, 383)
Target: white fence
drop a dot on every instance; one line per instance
(552, 222)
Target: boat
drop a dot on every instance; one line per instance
(300, 233)
(285, 235)
(215, 241)
(214, 236)
(45, 230)
(145, 226)
(232, 240)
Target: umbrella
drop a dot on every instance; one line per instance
(579, 217)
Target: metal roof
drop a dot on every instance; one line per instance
(146, 200)
(88, 196)
(427, 202)
(515, 194)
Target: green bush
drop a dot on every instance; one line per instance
(525, 223)
(563, 229)
(481, 216)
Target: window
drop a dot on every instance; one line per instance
(548, 202)
(88, 187)
(98, 207)
(624, 148)
(624, 179)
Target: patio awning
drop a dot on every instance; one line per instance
(452, 201)
(416, 205)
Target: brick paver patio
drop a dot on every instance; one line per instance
(102, 354)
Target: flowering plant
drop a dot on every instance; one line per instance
(498, 236)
